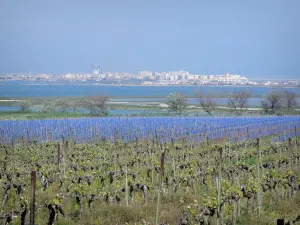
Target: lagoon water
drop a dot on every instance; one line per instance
(51, 90)
(132, 94)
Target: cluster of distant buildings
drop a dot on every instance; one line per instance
(172, 77)
(26, 77)
(285, 83)
(147, 78)
(186, 76)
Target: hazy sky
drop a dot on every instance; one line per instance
(256, 38)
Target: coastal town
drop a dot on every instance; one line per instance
(146, 77)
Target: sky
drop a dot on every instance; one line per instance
(255, 38)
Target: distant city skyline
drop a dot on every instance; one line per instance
(257, 39)
(146, 77)
(262, 77)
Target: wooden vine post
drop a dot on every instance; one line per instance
(219, 222)
(290, 153)
(32, 201)
(296, 144)
(258, 177)
(161, 177)
(296, 135)
(207, 140)
(126, 176)
(115, 162)
(58, 162)
(174, 167)
(247, 138)
(172, 140)
(28, 136)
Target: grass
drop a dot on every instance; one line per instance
(17, 115)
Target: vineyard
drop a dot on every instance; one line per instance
(144, 171)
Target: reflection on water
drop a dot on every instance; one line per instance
(53, 90)
(253, 102)
(9, 108)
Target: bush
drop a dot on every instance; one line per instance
(25, 106)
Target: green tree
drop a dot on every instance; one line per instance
(25, 106)
(273, 102)
(62, 105)
(96, 104)
(289, 100)
(176, 102)
(74, 105)
(238, 101)
(207, 103)
(49, 107)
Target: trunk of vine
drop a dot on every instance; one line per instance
(23, 216)
(283, 192)
(248, 206)
(255, 205)
(277, 193)
(292, 192)
(52, 215)
(239, 208)
(162, 163)
(233, 208)
(210, 220)
(270, 197)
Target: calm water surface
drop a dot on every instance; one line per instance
(21, 90)
(132, 94)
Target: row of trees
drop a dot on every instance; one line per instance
(94, 104)
(276, 102)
